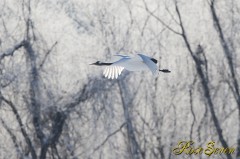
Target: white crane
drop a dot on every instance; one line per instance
(139, 62)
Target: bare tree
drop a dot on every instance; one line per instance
(229, 55)
(54, 105)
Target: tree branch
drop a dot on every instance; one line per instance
(19, 120)
(11, 51)
(228, 54)
(204, 84)
(13, 137)
(161, 21)
(109, 136)
(46, 55)
(34, 91)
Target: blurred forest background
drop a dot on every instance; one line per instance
(54, 105)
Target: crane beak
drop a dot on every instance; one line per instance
(92, 64)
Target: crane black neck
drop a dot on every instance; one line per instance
(102, 63)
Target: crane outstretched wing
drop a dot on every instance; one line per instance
(113, 71)
(151, 65)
